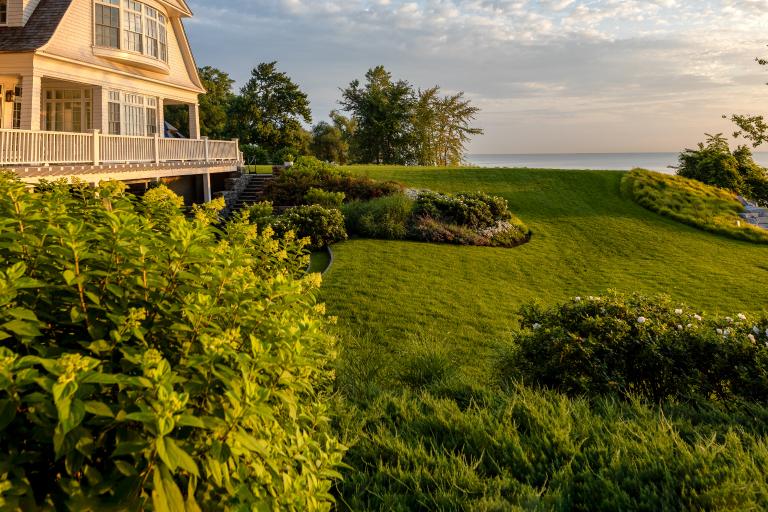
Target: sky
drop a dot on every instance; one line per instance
(550, 76)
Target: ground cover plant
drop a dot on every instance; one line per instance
(692, 202)
(152, 361)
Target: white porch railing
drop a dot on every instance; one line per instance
(38, 148)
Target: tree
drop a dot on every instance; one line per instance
(754, 128)
(270, 110)
(328, 143)
(382, 110)
(215, 103)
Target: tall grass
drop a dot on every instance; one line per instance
(691, 202)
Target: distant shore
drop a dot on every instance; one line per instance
(660, 162)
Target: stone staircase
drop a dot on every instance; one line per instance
(253, 191)
(754, 214)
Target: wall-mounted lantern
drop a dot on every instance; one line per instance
(9, 96)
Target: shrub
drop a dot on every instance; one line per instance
(475, 211)
(154, 361)
(259, 214)
(360, 188)
(691, 202)
(507, 233)
(427, 229)
(635, 345)
(714, 164)
(322, 226)
(324, 199)
(385, 217)
(283, 155)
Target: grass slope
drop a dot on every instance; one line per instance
(692, 202)
(587, 239)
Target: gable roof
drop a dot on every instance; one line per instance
(180, 6)
(38, 30)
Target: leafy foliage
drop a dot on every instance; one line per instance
(151, 361)
(269, 110)
(478, 210)
(325, 199)
(691, 202)
(714, 164)
(385, 217)
(215, 103)
(640, 346)
(323, 226)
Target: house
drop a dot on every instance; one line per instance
(84, 88)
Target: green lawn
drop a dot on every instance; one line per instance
(587, 239)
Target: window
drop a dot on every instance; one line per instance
(114, 113)
(68, 110)
(132, 114)
(108, 23)
(134, 34)
(3, 12)
(17, 108)
(144, 28)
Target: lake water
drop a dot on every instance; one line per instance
(597, 161)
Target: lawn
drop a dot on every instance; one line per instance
(587, 239)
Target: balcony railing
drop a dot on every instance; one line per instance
(38, 148)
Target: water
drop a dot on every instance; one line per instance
(597, 161)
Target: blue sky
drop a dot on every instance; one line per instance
(549, 75)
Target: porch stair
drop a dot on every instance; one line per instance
(755, 215)
(253, 191)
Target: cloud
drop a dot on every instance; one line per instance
(573, 67)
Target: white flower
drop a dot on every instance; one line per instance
(689, 326)
(766, 332)
(751, 338)
(536, 326)
(641, 320)
(729, 319)
(720, 332)
(679, 327)
(756, 330)
(577, 299)
(697, 317)
(678, 311)
(742, 316)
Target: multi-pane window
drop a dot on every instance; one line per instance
(68, 110)
(143, 27)
(17, 108)
(132, 114)
(3, 12)
(113, 113)
(108, 23)
(134, 32)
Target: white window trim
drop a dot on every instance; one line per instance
(4, 23)
(144, 102)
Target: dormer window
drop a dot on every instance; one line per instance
(131, 26)
(3, 12)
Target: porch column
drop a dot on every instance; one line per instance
(101, 109)
(194, 121)
(31, 98)
(160, 117)
(207, 187)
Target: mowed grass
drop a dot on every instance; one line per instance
(587, 239)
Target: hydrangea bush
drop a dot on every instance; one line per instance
(636, 345)
(153, 362)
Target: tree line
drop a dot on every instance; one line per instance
(380, 120)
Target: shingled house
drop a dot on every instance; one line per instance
(84, 85)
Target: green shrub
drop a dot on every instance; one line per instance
(714, 164)
(691, 202)
(283, 155)
(155, 362)
(427, 229)
(259, 214)
(640, 346)
(324, 199)
(322, 226)
(385, 217)
(476, 211)
(293, 185)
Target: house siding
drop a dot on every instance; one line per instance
(74, 40)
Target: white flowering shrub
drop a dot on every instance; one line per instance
(636, 345)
